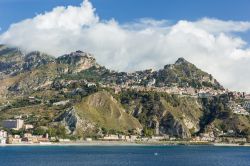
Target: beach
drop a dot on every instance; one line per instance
(124, 143)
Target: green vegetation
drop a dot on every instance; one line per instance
(167, 110)
(214, 108)
(92, 74)
(104, 111)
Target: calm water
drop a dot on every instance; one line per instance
(125, 156)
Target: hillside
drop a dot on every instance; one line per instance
(101, 110)
(76, 95)
(163, 113)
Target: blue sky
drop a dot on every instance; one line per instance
(126, 10)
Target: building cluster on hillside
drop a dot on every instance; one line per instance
(234, 95)
(192, 92)
(247, 97)
(238, 109)
(205, 92)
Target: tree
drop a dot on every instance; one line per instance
(148, 132)
(39, 131)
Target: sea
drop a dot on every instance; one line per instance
(124, 156)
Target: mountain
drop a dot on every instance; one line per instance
(14, 61)
(181, 74)
(185, 73)
(76, 94)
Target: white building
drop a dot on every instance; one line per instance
(3, 134)
(28, 126)
(111, 137)
(240, 110)
(88, 139)
(2, 141)
(61, 103)
(159, 138)
(64, 140)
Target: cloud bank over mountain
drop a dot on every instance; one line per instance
(213, 45)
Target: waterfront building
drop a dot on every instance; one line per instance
(16, 139)
(64, 140)
(111, 138)
(88, 139)
(2, 141)
(3, 134)
(160, 138)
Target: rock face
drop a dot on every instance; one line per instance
(13, 61)
(174, 127)
(77, 61)
(69, 119)
(74, 123)
(36, 59)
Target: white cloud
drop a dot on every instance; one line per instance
(217, 26)
(211, 44)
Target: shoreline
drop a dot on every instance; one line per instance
(119, 143)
